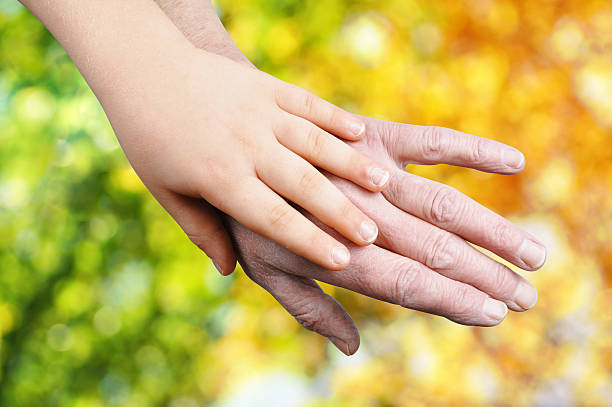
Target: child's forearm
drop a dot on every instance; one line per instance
(116, 44)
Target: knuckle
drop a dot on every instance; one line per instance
(478, 153)
(309, 180)
(315, 141)
(503, 234)
(461, 305)
(435, 143)
(308, 101)
(309, 316)
(333, 115)
(443, 253)
(281, 216)
(406, 283)
(285, 94)
(445, 206)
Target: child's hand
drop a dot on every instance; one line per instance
(199, 125)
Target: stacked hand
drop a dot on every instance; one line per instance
(421, 259)
(240, 139)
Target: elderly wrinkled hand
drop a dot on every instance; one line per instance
(422, 259)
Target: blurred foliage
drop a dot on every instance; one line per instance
(103, 301)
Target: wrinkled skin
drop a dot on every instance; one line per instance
(426, 265)
(421, 259)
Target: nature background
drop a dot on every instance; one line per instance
(103, 301)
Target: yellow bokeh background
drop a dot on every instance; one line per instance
(104, 302)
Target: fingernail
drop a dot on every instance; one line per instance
(341, 345)
(217, 267)
(496, 310)
(525, 295)
(357, 128)
(340, 255)
(513, 158)
(532, 254)
(368, 231)
(379, 176)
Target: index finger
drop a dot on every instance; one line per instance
(327, 116)
(439, 145)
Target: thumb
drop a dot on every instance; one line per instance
(310, 306)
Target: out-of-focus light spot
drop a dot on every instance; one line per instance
(245, 32)
(566, 40)
(60, 338)
(87, 256)
(557, 393)
(103, 227)
(275, 389)
(483, 382)
(555, 183)
(171, 296)
(483, 75)
(129, 287)
(34, 104)
(13, 193)
(107, 321)
(426, 38)
(282, 40)
(75, 298)
(115, 389)
(127, 180)
(65, 153)
(602, 23)
(10, 7)
(424, 364)
(502, 17)
(27, 243)
(8, 318)
(593, 84)
(366, 39)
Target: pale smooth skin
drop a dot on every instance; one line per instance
(421, 259)
(194, 124)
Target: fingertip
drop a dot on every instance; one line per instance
(356, 129)
(495, 311)
(224, 268)
(378, 178)
(525, 296)
(230, 267)
(532, 254)
(513, 159)
(368, 231)
(343, 346)
(226, 257)
(340, 258)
